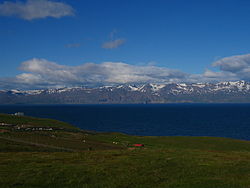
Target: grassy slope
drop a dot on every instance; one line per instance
(164, 162)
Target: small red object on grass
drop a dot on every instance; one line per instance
(138, 145)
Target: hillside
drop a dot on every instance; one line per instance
(26, 122)
(35, 134)
(65, 156)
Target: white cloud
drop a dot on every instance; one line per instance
(219, 76)
(113, 44)
(235, 66)
(28, 78)
(41, 73)
(50, 71)
(36, 9)
(233, 63)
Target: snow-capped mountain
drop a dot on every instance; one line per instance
(238, 91)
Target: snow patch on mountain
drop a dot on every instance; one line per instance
(133, 88)
(199, 85)
(157, 87)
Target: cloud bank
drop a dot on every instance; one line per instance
(41, 73)
(36, 9)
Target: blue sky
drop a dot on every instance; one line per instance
(182, 41)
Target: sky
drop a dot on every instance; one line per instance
(65, 43)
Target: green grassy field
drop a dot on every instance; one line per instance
(70, 157)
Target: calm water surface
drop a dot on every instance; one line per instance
(222, 120)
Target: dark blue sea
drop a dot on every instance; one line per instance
(220, 120)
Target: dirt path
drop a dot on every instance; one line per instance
(37, 144)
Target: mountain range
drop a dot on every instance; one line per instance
(221, 92)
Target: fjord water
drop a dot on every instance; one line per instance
(220, 120)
